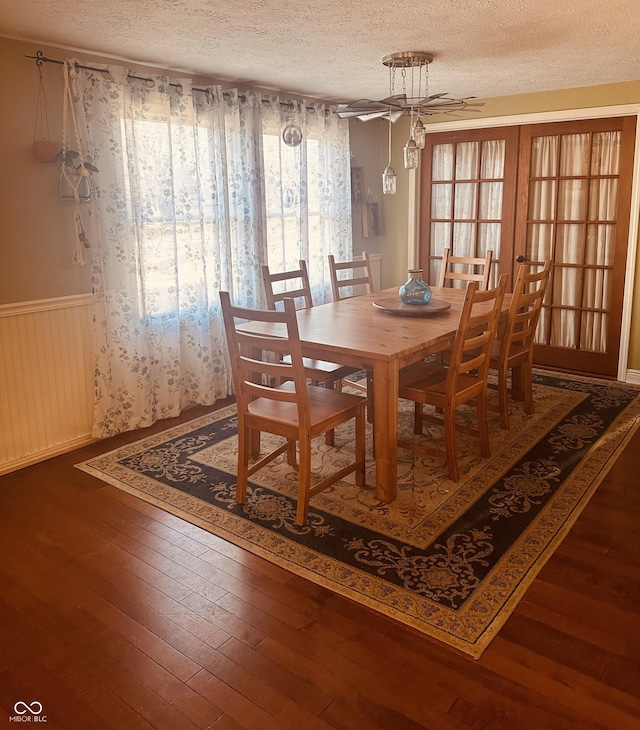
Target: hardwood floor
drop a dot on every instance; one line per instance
(115, 614)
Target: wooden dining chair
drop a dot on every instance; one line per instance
(294, 284)
(464, 380)
(345, 275)
(465, 269)
(273, 396)
(513, 349)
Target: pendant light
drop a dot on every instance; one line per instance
(419, 133)
(389, 175)
(411, 150)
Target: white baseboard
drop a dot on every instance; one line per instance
(45, 454)
(633, 376)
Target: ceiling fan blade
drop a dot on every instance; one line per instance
(361, 104)
(394, 116)
(398, 100)
(381, 114)
(348, 113)
(373, 115)
(445, 102)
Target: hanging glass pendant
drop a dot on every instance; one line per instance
(389, 174)
(411, 151)
(389, 181)
(419, 133)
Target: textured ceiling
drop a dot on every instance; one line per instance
(333, 49)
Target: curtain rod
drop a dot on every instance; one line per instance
(40, 58)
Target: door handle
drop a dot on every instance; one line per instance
(521, 259)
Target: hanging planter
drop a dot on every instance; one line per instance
(75, 169)
(44, 148)
(74, 176)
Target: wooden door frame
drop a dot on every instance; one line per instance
(634, 214)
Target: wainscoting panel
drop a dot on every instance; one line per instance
(46, 379)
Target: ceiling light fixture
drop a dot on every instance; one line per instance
(414, 101)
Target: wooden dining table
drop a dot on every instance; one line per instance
(362, 333)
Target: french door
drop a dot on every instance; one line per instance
(574, 195)
(566, 198)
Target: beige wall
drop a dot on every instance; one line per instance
(369, 146)
(36, 243)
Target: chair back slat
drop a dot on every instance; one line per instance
(257, 362)
(514, 350)
(473, 269)
(297, 286)
(524, 312)
(476, 333)
(345, 275)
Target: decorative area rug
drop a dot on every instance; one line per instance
(449, 559)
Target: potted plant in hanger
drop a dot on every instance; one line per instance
(74, 164)
(75, 168)
(75, 173)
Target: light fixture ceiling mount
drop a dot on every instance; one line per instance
(412, 67)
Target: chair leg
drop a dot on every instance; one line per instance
(503, 397)
(370, 399)
(517, 382)
(483, 426)
(450, 442)
(244, 449)
(526, 377)
(418, 425)
(330, 436)
(361, 448)
(304, 481)
(291, 453)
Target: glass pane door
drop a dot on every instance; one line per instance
(574, 217)
(468, 186)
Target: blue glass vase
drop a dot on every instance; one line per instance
(415, 290)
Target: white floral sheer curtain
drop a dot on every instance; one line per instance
(196, 190)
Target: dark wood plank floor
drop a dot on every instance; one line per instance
(115, 614)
